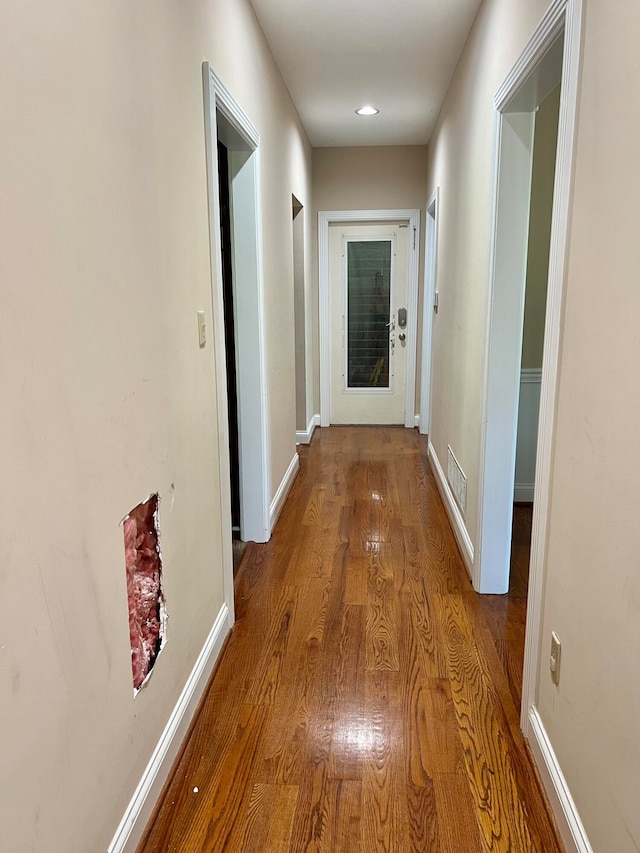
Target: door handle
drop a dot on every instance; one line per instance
(402, 336)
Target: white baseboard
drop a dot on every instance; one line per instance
(416, 421)
(453, 511)
(283, 490)
(531, 375)
(564, 809)
(140, 809)
(304, 437)
(527, 436)
(523, 493)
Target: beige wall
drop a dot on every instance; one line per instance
(104, 263)
(591, 591)
(461, 156)
(369, 178)
(544, 169)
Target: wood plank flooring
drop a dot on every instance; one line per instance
(367, 699)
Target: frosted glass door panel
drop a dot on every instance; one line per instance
(368, 313)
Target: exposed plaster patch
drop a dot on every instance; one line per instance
(147, 611)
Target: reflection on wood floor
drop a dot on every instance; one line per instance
(367, 699)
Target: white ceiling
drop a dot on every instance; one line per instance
(336, 55)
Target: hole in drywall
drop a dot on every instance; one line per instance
(147, 613)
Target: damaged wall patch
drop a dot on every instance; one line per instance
(147, 612)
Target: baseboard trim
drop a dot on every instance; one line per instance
(564, 809)
(531, 375)
(523, 493)
(140, 809)
(453, 511)
(304, 437)
(416, 421)
(283, 490)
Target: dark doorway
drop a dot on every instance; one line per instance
(230, 341)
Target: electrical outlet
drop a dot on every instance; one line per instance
(554, 660)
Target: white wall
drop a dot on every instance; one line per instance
(104, 262)
(591, 589)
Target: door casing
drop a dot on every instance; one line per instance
(224, 117)
(430, 286)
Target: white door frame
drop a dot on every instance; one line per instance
(246, 205)
(504, 340)
(430, 273)
(327, 218)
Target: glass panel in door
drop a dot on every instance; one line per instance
(368, 313)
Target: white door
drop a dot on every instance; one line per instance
(368, 272)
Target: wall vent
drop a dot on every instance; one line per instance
(457, 480)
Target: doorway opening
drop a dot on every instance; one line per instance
(551, 57)
(545, 140)
(516, 134)
(235, 241)
(229, 341)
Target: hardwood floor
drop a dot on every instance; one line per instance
(367, 699)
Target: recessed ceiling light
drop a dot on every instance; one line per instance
(367, 111)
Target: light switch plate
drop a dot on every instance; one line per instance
(554, 660)
(202, 329)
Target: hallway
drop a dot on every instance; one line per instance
(361, 702)
(365, 699)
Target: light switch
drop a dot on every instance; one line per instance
(202, 329)
(554, 660)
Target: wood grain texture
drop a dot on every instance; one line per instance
(366, 699)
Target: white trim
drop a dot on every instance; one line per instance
(416, 421)
(253, 430)
(564, 808)
(305, 436)
(512, 196)
(453, 510)
(526, 439)
(523, 493)
(217, 313)
(476, 572)
(232, 111)
(412, 322)
(283, 490)
(550, 26)
(140, 808)
(430, 281)
(531, 375)
(325, 219)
